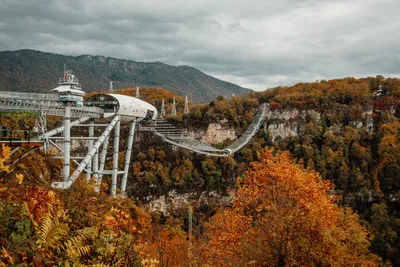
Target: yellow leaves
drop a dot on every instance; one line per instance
(391, 128)
(5, 155)
(6, 151)
(150, 263)
(20, 178)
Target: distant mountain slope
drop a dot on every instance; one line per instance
(29, 70)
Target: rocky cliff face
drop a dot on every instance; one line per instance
(216, 133)
(286, 123)
(174, 202)
(279, 123)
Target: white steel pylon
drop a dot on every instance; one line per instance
(67, 141)
(162, 113)
(137, 92)
(173, 113)
(128, 156)
(111, 86)
(114, 178)
(186, 110)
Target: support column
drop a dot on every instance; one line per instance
(67, 141)
(114, 177)
(128, 156)
(90, 146)
(102, 163)
(88, 157)
(96, 169)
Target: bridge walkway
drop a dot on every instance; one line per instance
(46, 103)
(179, 138)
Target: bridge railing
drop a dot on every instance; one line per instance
(28, 96)
(251, 130)
(48, 103)
(18, 135)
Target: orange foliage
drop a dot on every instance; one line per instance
(168, 247)
(284, 215)
(342, 91)
(274, 105)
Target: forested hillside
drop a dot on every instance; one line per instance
(29, 70)
(294, 206)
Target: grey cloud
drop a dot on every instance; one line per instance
(254, 43)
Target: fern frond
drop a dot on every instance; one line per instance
(88, 233)
(51, 231)
(75, 251)
(76, 246)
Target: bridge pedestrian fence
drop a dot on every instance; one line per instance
(177, 137)
(48, 104)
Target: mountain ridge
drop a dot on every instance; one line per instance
(33, 70)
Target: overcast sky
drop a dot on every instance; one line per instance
(254, 43)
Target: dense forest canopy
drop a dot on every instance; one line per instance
(335, 165)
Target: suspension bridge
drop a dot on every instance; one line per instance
(67, 102)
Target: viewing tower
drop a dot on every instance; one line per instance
(70, 94)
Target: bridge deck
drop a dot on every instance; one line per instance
(24, 143)
(47, 103)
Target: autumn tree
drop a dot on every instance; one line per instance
(167, 247)
(385, 237)
(389, 152)
(284, 215)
